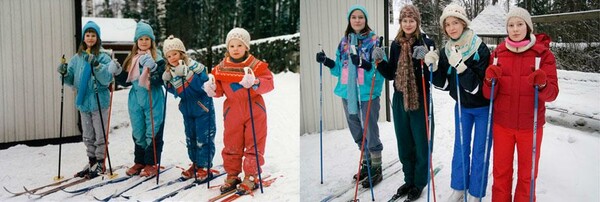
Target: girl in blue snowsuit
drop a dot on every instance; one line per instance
(184, 78)
(146, 101)
(78, 74)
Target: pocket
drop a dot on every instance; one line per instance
(261, 107)
(225, 113)
(202, 106)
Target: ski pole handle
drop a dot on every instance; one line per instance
(537, 62)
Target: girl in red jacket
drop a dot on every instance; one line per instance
(516, 76)
(231, 80)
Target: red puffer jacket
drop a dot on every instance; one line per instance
(513, 96)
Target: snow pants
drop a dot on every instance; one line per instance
(238, 152)
(355, 123)
(468, 174)
(93, 135)
(505, 140)
(200, 138)
(141, 125)
(411, 138)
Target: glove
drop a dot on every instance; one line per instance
(148, 62)
(492, 72)
(431, 60)
(114, 67)
(455, 60)
(360, 63)
(537, 78)
(322, 58)
(248, 80)
(210, 88)
(378, 54)
(181, 69)
(167, 75)
(419, 52)
(62, 69)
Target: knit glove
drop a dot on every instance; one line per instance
(62, 69)
(378, 54)
(209, 86)
(148, 62)
(248, 80)
(419, 52)
(322, 58)
(360, 63)
(455, 60)
(181, 69)
(114, 67)
(492, 72)
(431, 60)
(537, 78)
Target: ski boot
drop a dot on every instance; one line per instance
(376, 177)
(248, 185)
(149, 171)
(135, 169)
(231, 183)
(97, 169)
(413, 194)
(86, 170)
(363, 172)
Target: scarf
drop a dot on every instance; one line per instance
(83, 82)
(405, 80)
(521, 46)
(134, 70)
(467, 44)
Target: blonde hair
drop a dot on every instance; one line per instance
(184, 57)
(134, 51)
(459, 20)
(416, 34)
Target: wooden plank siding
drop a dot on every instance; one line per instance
(34, 35)
(324, 22)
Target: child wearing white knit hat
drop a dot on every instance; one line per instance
(460, 68)
(184, 78)
(243, 79)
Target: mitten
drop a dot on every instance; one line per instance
(455, 60)
(492, 72)
(148, 62)
(248, 80)
(537, 78)
(378, 54)
(114, 67)
(322, 58)
(167, 75)
(431, 60)
(210, 87)
(419, 52)
(62, 69)
(181, 69)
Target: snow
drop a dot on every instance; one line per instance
(257, 41)
(34, 166)
(569, 165)
(114, 29)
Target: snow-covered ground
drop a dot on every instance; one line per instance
(569, 164)
(34, 166)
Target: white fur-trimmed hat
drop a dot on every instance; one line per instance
(520, 13)
(239, 34)
(454, 10)
(173, 43)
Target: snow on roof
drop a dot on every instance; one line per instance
(114, 29)
(490, 22)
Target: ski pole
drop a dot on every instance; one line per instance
(460, 129)
(100, 111)
(112, 90)
(321, 113)
(63, 64)
(534, 148)
(430, 144)
(247, 70)
(428, 133)
(152, 125)
(489, 132)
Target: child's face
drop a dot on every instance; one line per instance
(516, 28)
(144, 43)
(90, 39)
(236, 49)
(409, 25)
(173, 57)
(357, 20)
(453, 27)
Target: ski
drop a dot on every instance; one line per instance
(266, 183)
(45, 193)
(129, 187)
(222, 195)
(100, 184)
(218, 168)
(37, 188)
(353, 184)
(395, 197)
(189, 186)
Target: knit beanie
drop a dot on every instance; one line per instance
(410, 11)
(143, 29)
(358, 7)
(91, 25)
(172, 43)
(520, 13)
(454, 10)
(239, 34)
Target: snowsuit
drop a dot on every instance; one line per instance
(342, 68)
(238, 133)
(139, 112)
(93, 136)
(474, 109)
(409, 125)
(513, 115)
(198, 114)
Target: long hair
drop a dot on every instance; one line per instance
(134, 51)
(95, 49)
(416, 34)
